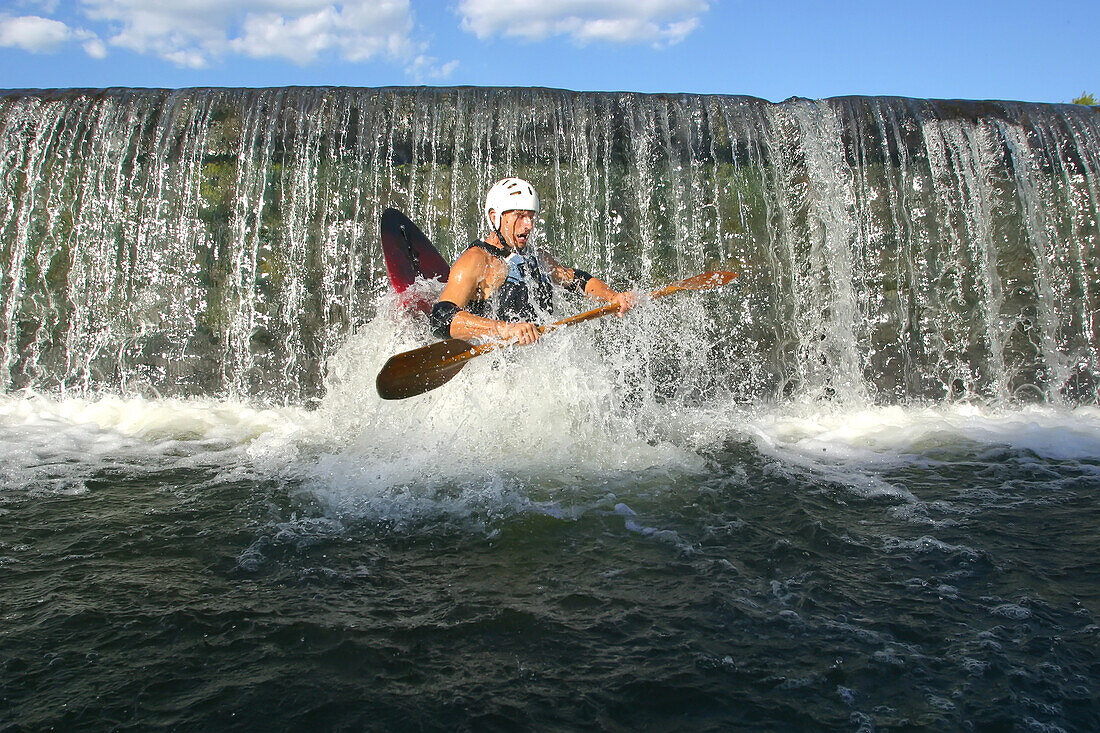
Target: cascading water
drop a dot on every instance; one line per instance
(225, 242)
(856, 489)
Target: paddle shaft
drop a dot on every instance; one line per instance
(603, 310)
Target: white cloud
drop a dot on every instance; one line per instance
(202, 33)
(33, 33)
(298, 39)
(185, 32)
(95, 48)
(427, 68)
(44, 35)
(198, 33)
(658, 22)
(353, 31)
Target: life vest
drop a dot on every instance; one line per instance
(526, 294)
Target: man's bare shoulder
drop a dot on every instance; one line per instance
(474, 261)
(474, 255)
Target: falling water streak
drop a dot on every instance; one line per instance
(253, 159)
(832, 201)
(20, 219)
(1073, 230)
(1031, 198)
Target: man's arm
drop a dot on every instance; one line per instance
(573, 279)
(450, 320)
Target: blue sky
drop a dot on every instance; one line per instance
(1034, 50)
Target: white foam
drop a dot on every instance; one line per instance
(150, 420)
(857, 446)
(55, 445)
(548, 415)
(544, 416)
(885, 435)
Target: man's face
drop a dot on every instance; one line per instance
(516, 226)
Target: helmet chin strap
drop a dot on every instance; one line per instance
(496, 230)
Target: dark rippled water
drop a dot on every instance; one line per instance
(942, 583)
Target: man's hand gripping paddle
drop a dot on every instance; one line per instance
(422, 370)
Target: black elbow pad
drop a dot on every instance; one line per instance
(580, 279)
(440, 319)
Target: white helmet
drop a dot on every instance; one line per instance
(508, 195)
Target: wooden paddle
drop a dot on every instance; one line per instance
(422, 370)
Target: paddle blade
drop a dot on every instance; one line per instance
(421, 370)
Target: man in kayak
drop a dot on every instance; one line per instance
(499, 287)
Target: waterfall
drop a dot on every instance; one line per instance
(224, 242)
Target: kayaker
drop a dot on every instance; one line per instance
(501, 286)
